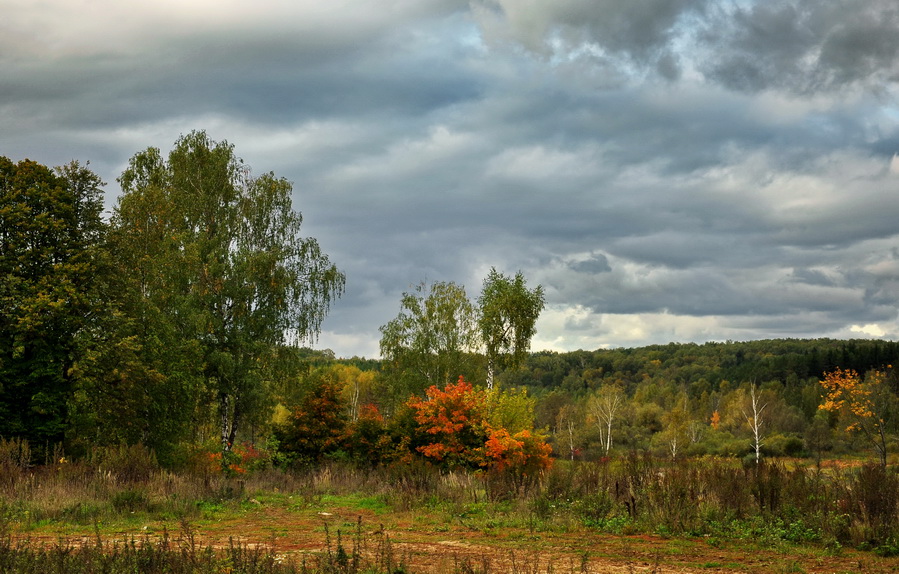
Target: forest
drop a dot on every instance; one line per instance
(177, 330)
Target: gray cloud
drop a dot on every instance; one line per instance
(597, 263)
(805, 46)
(800, 46)
(667, 169)
(639, 31)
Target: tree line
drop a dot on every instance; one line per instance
(163, 322)
(745, 400)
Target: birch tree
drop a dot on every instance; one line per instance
(604, 407)
(752, 412)
(508, 313)
(242, 279)
(432, 340)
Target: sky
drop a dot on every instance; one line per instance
(668, 170)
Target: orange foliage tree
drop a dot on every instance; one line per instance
(864, 404)
(452, 424)
(316, 426)
(365, 439)
(518, 460)
(454, 432)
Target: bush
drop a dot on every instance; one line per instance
(783, 445)
(129, 464)
(515, 463)
(131, 500)
(593, 509)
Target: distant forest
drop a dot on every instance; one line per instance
(690, 399)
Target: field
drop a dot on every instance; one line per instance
(340, 519)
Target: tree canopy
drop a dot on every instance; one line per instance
(507, 318)
(432, 339)
(50, 254)
(237, 277)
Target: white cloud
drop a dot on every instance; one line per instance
(894, 164)
(871, 329)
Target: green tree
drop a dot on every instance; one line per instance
(511, 409)
(675, 436)
(51, 233)
(236, 277)
(432, 340)
(140, 377)
(508, 313)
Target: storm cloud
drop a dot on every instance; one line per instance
(669, 170)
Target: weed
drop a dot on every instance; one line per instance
(130, 500)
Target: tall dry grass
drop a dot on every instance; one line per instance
(713, 497)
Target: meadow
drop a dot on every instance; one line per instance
(118, 511)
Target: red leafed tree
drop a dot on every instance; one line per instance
(316, 425)
(453, 431)
(366, 439)
(452, 424)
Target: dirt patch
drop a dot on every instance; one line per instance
(400, 539)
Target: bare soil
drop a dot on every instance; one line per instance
(425, 546)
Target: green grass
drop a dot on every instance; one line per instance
(356, 501)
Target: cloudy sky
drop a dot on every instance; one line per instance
(668, 170)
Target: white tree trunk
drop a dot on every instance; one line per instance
(755, 422)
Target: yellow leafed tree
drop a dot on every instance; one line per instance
(863, 403)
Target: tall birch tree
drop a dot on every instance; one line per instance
(508, 313)
(240, 277)
(604, 408)
(432, 339)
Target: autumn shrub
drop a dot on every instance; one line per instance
(452, 425)
(515, 463)
(315, 427)
(450, 429)
(243, 458)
